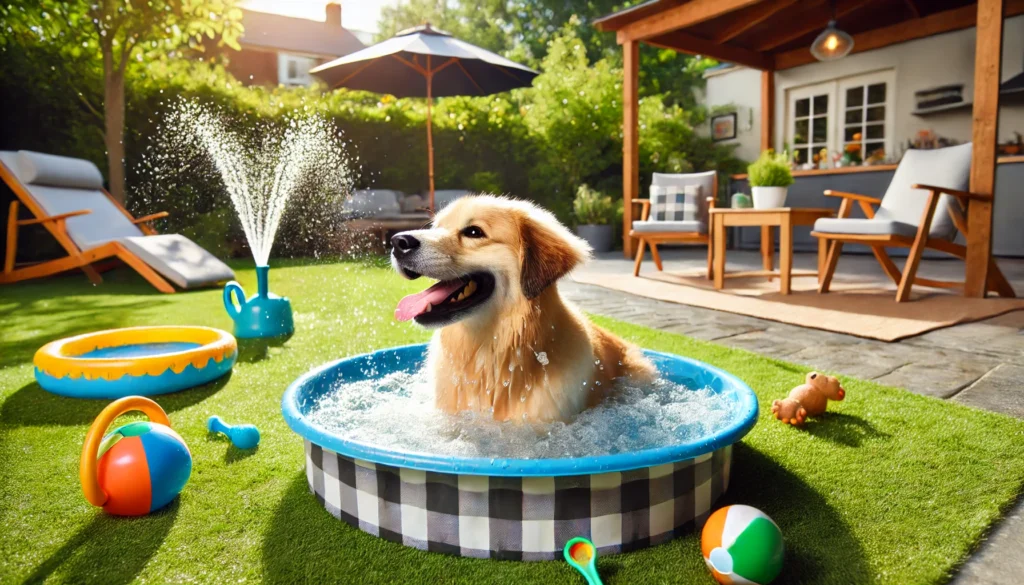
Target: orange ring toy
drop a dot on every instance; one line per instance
(139, 467)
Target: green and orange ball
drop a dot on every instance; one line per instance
(141, 467)
(742, 546)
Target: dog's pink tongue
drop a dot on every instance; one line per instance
(417, 304)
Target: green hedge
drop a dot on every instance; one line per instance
(539, 143)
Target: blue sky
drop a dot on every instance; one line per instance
(355, 14)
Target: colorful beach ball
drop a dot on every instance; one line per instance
(742, 545)
(142, 466)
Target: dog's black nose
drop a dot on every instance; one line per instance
(404, 244)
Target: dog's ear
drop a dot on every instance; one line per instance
(550, 251)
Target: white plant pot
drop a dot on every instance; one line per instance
(769, 197)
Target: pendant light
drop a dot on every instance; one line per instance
(832, 43)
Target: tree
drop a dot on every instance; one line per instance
(484, 23)
(112, 33)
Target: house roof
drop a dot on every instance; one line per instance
(777, 34)
(301, 35)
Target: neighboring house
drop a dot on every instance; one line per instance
(281, 50)
(883, 95)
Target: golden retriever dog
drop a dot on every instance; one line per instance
(506, 342)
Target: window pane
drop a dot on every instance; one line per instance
(821, 104)
(876, 93)
(872, 147)
(800, 132)
(854, 116)
(876, 114)
(803, 107)
(852, 133)
(854, 96)
(875, 131)
(293, 69)
(820, 133)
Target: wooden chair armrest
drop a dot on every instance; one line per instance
(645, 208)
(150, 217)
(964, 195)
(49, 218)
(711, 202)
(854, 196)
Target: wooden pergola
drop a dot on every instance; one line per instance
(773, 35)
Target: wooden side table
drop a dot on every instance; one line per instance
(785, 218)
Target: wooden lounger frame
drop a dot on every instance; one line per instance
(85, 260)
(908, 277)
(652, 239)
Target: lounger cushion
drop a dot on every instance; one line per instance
(669, 227)
(865, 227)
(943, 167)
(36, 168)
(373, 203)
(179, 260)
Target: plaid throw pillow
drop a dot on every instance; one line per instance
(674, 204)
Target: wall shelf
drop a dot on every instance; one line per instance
(942, 108)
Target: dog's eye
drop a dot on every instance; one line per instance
(473, 232)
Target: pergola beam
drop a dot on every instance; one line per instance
(687, 43)
(681, 16)
(988, 59)
(938, 23)
(806, 26)
(752, 17)
(630, 139)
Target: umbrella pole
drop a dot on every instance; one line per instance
(430, 134)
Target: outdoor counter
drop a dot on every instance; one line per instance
(809, 186)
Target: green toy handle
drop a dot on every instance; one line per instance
(233, 288)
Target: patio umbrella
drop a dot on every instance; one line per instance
(425, 62)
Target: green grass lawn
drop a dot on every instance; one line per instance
(889, 487)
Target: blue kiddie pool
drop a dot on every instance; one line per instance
(134, 361)
(516, 508)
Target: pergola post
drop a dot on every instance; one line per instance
(630, 139)
(767, 109)
(988, 60)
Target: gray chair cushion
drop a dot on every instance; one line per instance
(869, 227)
(36, 168)
(179, 260)
(445, 196)
(943, 167)
(668, 227)
(373, 203)
(705, 180)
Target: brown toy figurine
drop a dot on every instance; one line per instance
(808, 399)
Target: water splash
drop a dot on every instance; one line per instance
(267, 167)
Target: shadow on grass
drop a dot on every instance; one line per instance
(819, 545)
(255, 350)
(847, 430)
(231, 453)
(109, 549)
(33, 406)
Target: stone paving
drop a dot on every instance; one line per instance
(980, 364)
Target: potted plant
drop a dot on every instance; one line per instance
(770, 178)
(595, 213)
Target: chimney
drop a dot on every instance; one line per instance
(334, 14)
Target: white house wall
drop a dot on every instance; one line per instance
(920, 64)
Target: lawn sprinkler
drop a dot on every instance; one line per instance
(263, 314)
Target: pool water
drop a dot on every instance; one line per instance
(140, 350)
(395, 411)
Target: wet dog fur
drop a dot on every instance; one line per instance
(523, 352)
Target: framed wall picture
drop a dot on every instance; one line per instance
(723, 127)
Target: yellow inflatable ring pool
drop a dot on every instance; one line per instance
(141, 361)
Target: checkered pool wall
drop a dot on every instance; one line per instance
(518, 518)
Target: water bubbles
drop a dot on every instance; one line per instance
(396, 411)
(542, 357)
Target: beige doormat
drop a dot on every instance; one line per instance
(864, 309)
